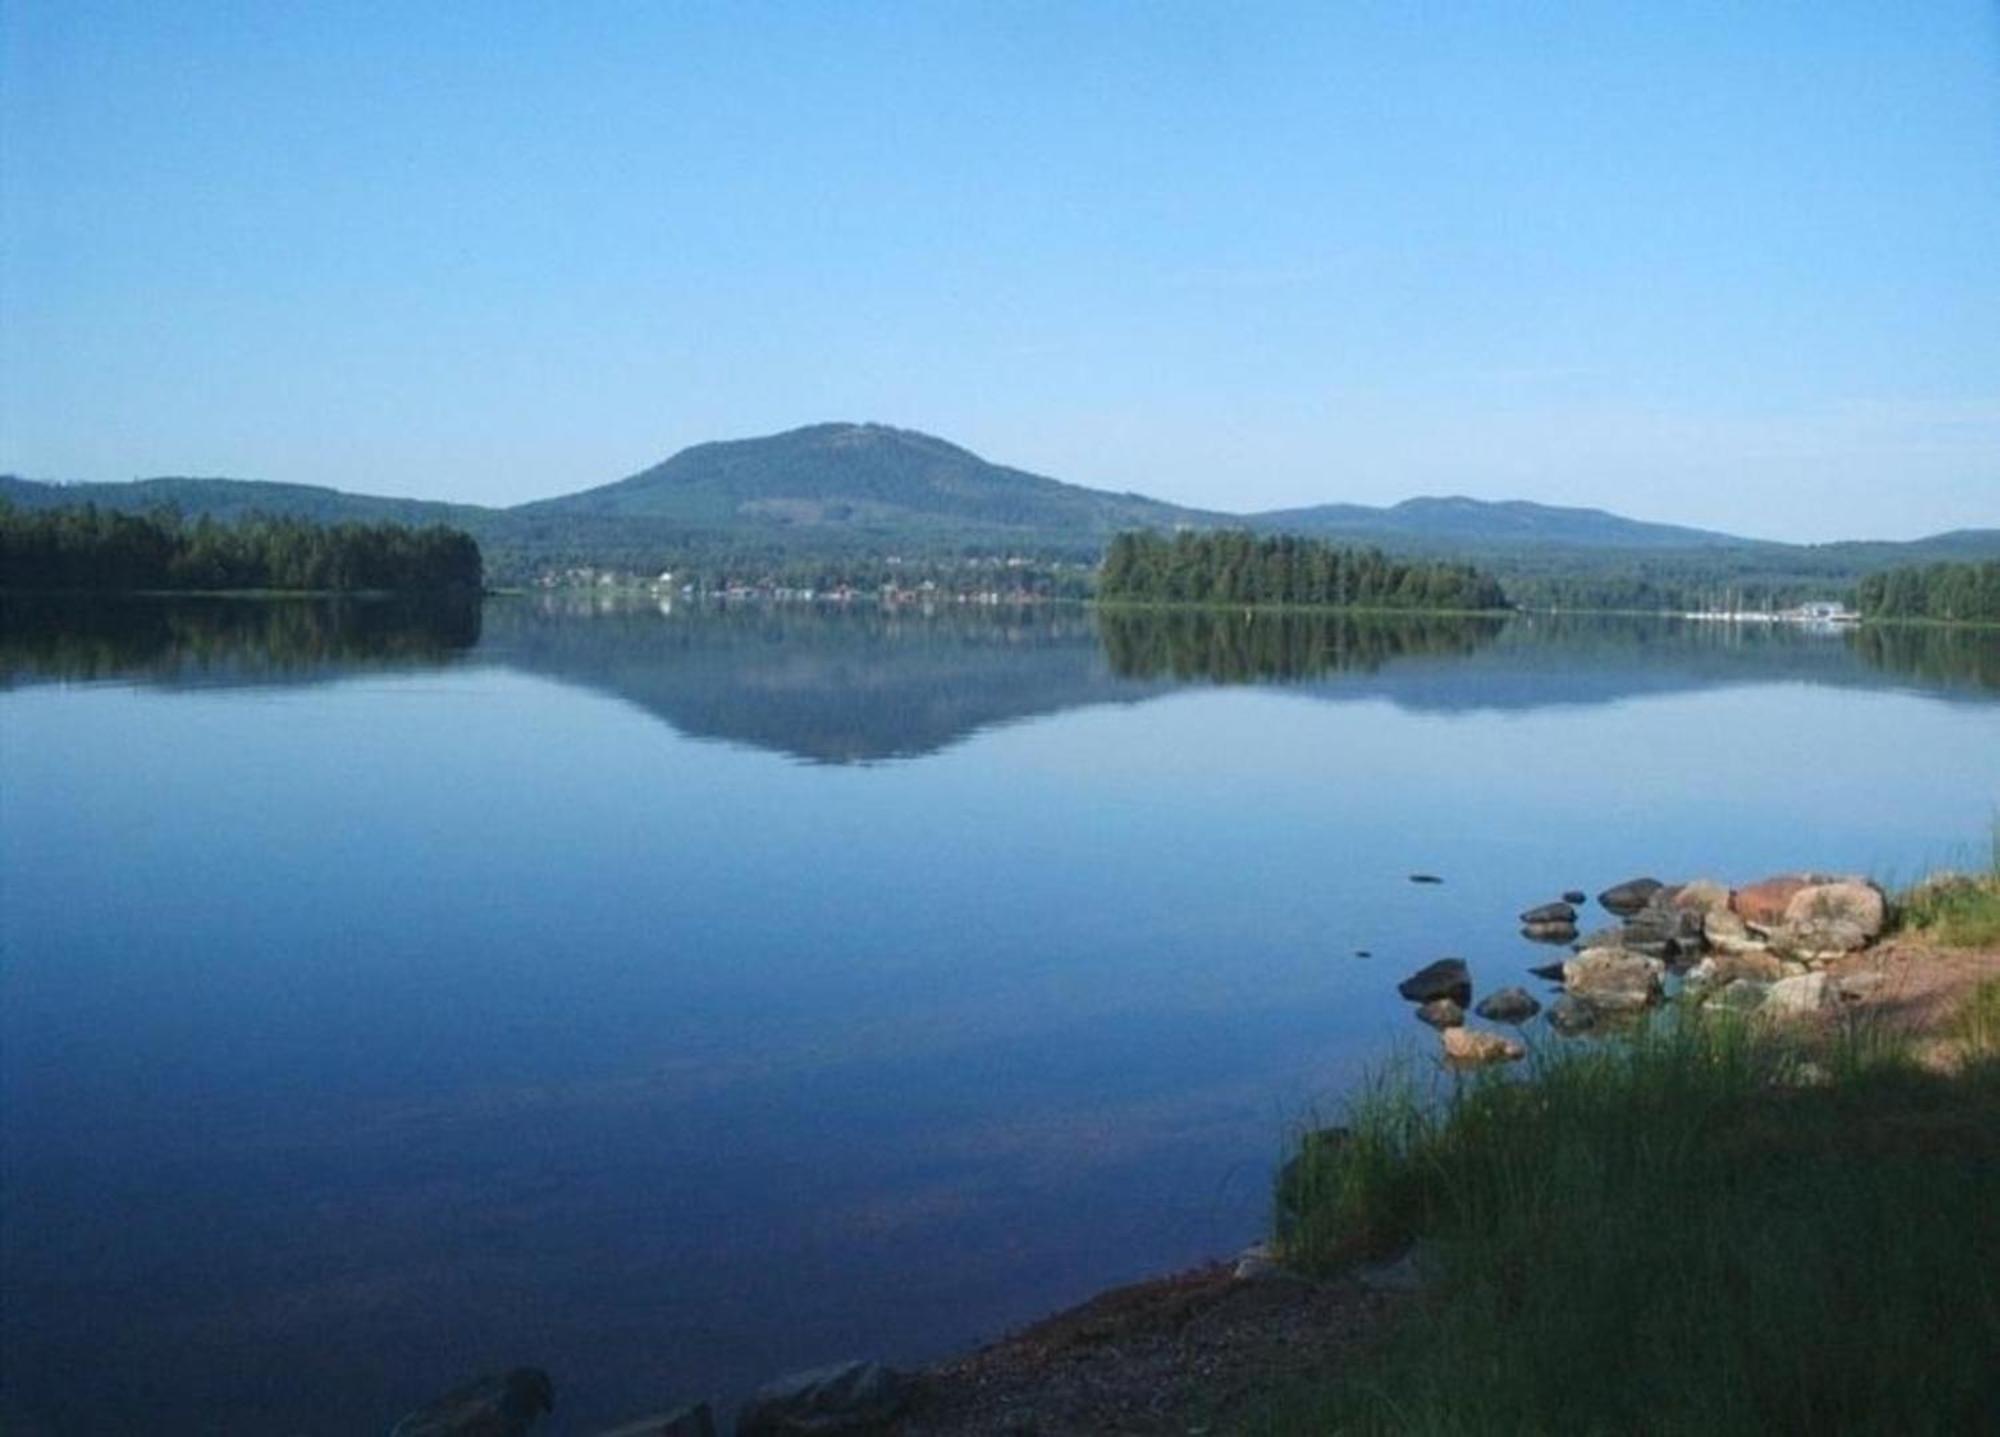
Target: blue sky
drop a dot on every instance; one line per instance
(1729, 265)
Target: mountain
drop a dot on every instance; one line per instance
(231, 499)
(838, 491)
(864, 476)
(1479, 521)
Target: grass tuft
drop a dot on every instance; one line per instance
(1707, 1227)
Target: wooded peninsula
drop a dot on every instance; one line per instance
(1239, 567)
(99, 550)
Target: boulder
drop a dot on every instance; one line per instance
(1816, 940)
(1509, 1005)
(1602, 938)
(1758, 967)
(1549, 932)
(1446, 978)
(1441, 1013)
(847, 1397)
(1726, 932)
(503, 1406)
(1256, 1263)
(1762, 904)
(1575, 896)
(1859, 904)
(1470, 1046)
(1796, 997)
(693, 1420)
(1629, 896)
(1613, 981)
(1703, 896)
(1853, 987)
(1550, 913)
(1661, 931)
(1570, 1015)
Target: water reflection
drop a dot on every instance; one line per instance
(1246, 646)
(225, 641)
(846, 685)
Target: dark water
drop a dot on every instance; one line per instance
(674, 1000)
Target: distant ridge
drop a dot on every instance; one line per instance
(854, 488)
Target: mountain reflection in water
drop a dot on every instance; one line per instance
(854, 685)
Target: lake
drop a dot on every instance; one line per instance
(674, 998)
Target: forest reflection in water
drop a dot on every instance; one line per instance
(226, 640)
(859, 684)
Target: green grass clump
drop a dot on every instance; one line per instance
(1956, 910)
(1704, 1229)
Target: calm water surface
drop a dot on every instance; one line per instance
(677, 999)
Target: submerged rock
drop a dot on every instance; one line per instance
(503, 1406)
(1629, 896)
(1509, 1005)
(847, 1397)
(1575, 896)
(1470, 1046)
(1553, 972)
(1441, 1013)
(1614, 981)
(1549, 932)
(1425, 878)
(1446, 978)
(1550, 913)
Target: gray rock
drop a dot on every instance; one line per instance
(1849, 903)
(1552, 972)
(1469, 1047)
(1796, 997)
(1602, 938)
(847, 1397)
(1509, 1005)
(503, 1406)
(1441, 1013)
(1818, 938)
(1614, 981)
(1575, 896)
(693, 1420)
(1663, 932)
(1629, 896)
(1550, 913)
(1446, 978)
(1703, 896)
(1256, 1263)
(1726, 932)
(1570, 1015)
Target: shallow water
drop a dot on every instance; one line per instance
(674, 999)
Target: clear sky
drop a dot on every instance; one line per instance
(1722, 264)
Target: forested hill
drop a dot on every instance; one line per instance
(845, 492)
(865, 476)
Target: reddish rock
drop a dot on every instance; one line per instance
(1764, 903)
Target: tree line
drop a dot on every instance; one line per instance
(1239, 567)
(1961, 593)
(85, 548)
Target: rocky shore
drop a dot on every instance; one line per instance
(1188, 1352)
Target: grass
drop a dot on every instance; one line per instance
(1956, 910)
(1705, 1228)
